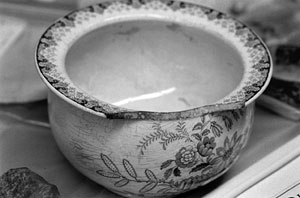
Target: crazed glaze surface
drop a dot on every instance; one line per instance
(147, 154)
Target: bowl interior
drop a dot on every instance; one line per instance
(154, 65)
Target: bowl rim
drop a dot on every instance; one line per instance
(58, 38)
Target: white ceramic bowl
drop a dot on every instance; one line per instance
(151, 97)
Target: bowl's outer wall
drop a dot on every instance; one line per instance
(145, 157)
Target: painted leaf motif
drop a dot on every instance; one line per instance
(148, 187)
(205, 132)
(216, 132)
(197, 136)
(216, 129)
(108, 174)
(109, 164)
(181, 128)
(129, 168)
(235, 115)
(241, 112)
(203, 119)
(122, 182)
(168, 173)
(199, 167)
(150, 175)
(164, 190)
(177, 172)
(215, 124)
(198, 126)
(228, 122)
(166, 164)
(170, 138)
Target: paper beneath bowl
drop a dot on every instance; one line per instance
(19, 81)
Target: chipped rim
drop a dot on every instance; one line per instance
(61, 35)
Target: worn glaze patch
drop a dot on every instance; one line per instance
(58, 38)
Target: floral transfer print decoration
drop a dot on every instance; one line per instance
(204, 158)
(57, 39)
(207, 125)
(210, 150)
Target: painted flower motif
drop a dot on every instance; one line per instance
(206, 146)
(186, 157)
(227, 154)
(185, 184)
(192, 182)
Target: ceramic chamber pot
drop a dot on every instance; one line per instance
(151, 98)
